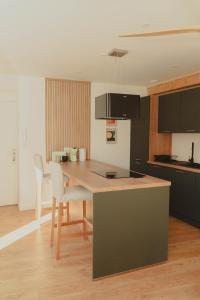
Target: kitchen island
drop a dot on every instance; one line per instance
(130, 218)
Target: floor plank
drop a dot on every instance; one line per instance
(12, 218)
(29, 270)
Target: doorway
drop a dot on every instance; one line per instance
(8, 150)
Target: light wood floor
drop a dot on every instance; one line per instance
(28, 270)
(11, 218)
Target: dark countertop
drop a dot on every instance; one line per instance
(176, 165)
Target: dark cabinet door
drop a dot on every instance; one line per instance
(184, 194)
(165, 174)
(190, 110)
(160, 172)
(140, 134)
(124, 106)
(115, 105)
(195, 209)
(169, 113)
(139, 166)
(131, 107)
(155, 171)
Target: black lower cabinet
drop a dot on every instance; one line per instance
(196, 205)
(155, 170)
(165, 174)
(160, 172)
(184, 192)
(139, 165)
(187, 198)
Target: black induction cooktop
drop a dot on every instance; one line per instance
(118, 174)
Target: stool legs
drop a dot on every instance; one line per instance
(68, 215)
(39, 201)
(84, 223)
(59, 224)
(53, 220)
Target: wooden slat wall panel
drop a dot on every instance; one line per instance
(183, 82)
(67, 115)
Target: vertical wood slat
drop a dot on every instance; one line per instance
(67, 115)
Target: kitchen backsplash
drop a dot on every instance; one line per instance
(182, 144)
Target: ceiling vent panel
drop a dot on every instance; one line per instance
(117, 52)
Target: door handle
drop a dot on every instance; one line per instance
(13, 155)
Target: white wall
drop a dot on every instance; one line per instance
(29, 93)
(117, 154)
(9, 93)
(182, 144)
(31, 111)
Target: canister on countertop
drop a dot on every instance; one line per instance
(82, 154)
(73, 154)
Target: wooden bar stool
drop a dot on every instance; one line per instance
(63, 195)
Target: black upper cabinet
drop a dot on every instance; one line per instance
(140, 137)
(179, 112)
(117, 106)
(190, 110)
(169, 109)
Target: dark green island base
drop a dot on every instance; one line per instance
(130, 229)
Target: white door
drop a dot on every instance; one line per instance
(8, 152)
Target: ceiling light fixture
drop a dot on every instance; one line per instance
(117, 52)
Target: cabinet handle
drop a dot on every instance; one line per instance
(166, 131)
(138, 159)
(190, 130)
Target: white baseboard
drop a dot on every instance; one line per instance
(21, 232)
(47, 204)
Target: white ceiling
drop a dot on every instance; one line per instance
(70, 39)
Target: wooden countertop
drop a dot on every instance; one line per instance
(187, 169)
(82, 172)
